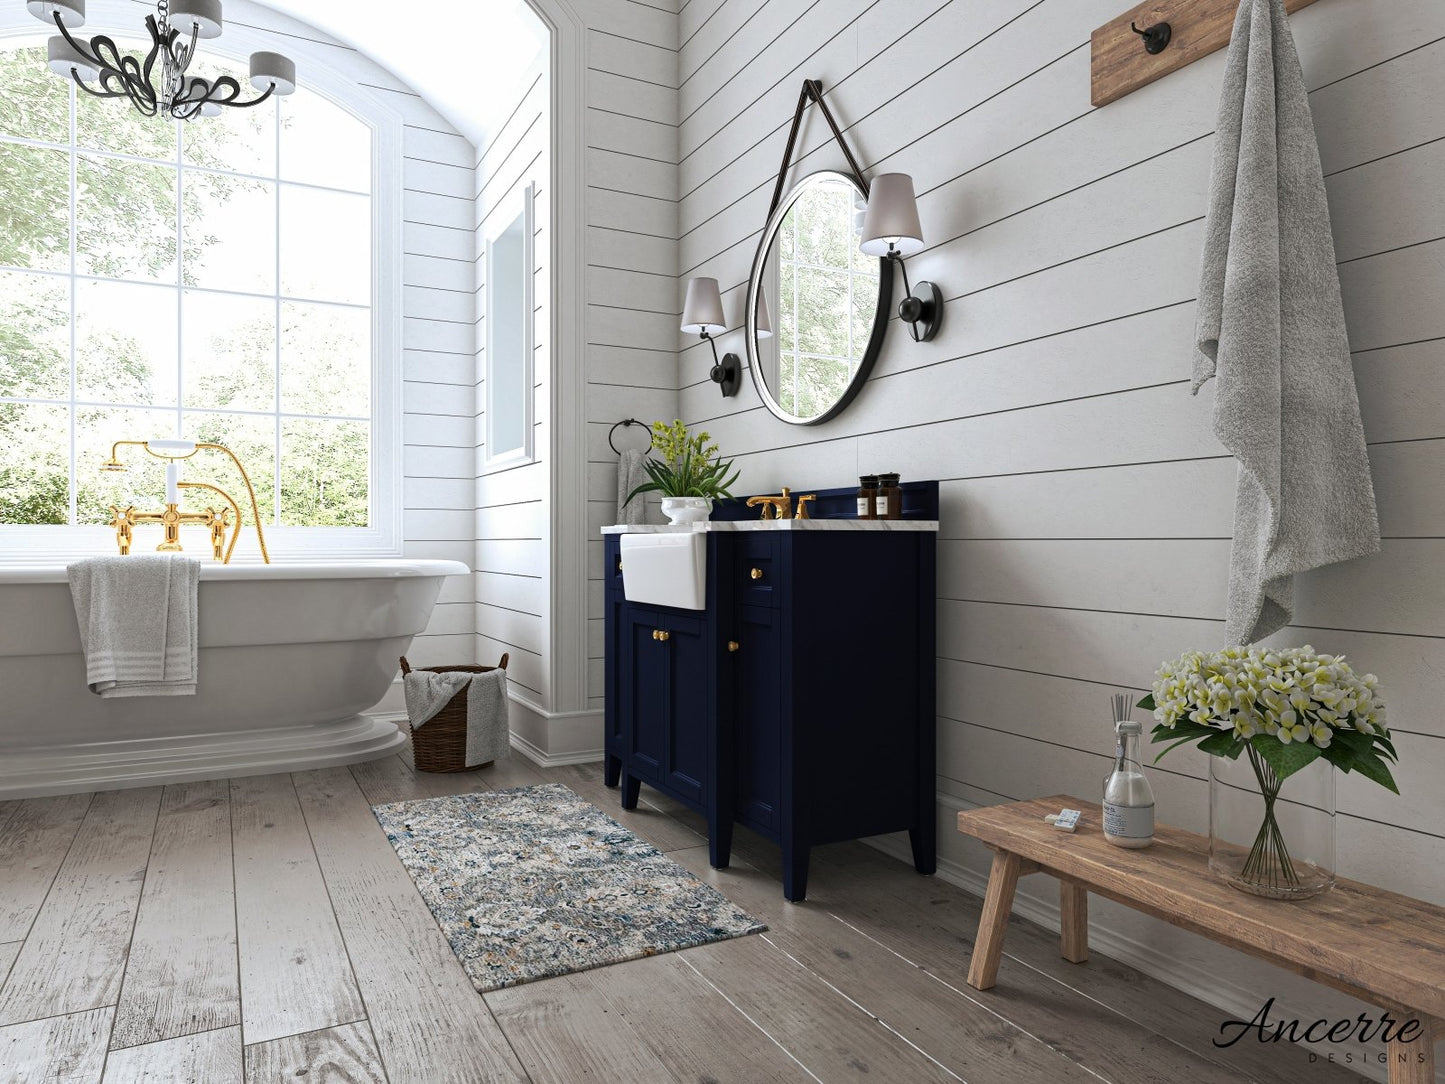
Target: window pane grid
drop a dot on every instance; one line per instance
(355, 306)
(95, 152)
(329, 479)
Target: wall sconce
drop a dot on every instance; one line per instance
(891, 229)
(702, 314)
(765, 321)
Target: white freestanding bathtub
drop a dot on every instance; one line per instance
(290, 655)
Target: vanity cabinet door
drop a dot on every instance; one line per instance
(689, 705)
(642, 707)
(759, 717)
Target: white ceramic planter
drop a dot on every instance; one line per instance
(686, 509)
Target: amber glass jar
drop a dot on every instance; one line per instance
(867, 496)
(888, 502)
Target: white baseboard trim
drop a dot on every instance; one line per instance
(1234, 1001)
(553, 760)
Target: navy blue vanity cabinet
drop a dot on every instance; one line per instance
(800, 701)
(834, 669)
(663, 705)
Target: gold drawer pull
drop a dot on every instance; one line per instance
(661, 634)
(619, 564)
(733, 645)
(756, 573)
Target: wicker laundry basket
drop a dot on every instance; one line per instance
(441, 744)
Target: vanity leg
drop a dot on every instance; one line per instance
(795, 872)
(924, 841)
(719, 842)
(630, 787)
(611, 769)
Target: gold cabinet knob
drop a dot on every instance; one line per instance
(756, 573)
(733, 645)
(663, 635)
(619, 564)
(654, 633)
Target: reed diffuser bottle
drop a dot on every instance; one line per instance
(1128, 797)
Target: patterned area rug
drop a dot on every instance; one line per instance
(535, 882)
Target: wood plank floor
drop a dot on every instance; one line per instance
(263, 930)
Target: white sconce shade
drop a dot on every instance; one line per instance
(63, 60)
(764, 326)
(892, 218)
(273, 69)
(703, 311)
(202, 15)
(71, 12)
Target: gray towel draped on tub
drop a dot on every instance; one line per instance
(1272, 329)
(138, 623)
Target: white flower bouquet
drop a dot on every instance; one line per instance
(1282, 707)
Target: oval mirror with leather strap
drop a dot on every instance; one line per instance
(817, 307)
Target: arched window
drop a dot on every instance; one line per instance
(210, 279)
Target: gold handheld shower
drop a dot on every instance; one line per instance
(172, 451)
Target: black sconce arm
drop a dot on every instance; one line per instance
(921, 309)
(727, 371)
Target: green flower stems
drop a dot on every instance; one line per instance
(1269, 863)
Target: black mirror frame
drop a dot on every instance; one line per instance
(755, 278)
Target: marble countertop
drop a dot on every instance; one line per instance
(776, 525)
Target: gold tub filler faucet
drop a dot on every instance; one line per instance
(172, 518)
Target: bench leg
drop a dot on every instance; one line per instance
(1073, 922)
(1003, 878)
(1414, 1062)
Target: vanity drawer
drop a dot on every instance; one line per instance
(757, 568)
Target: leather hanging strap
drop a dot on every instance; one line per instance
(813, 90)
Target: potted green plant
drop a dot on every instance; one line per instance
(689, 473)
(1267, 717)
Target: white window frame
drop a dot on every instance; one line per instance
(31, 544)
(519, 204)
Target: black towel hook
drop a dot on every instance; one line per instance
(628, 421)
(1156, 37)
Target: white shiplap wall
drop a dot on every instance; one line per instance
(436, 208)
(628, 57)
(1087, 505)
(631, 137)
(512, 528)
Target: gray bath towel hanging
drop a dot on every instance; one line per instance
(1272, 329)
(630, 475)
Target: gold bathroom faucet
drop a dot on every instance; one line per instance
(782, 507)
(172, 518)
(126, 520)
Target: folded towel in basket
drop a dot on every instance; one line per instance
(488, 735)
(137, 619)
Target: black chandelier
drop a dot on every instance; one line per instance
(121, 75)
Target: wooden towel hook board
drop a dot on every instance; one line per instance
(1120, 62)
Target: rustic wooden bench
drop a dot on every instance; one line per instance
(1381, 947)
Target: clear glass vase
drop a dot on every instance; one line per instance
(1270, 837)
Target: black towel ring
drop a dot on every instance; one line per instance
(628, 421)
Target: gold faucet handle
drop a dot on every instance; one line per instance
(770, 505)
(803, 505)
